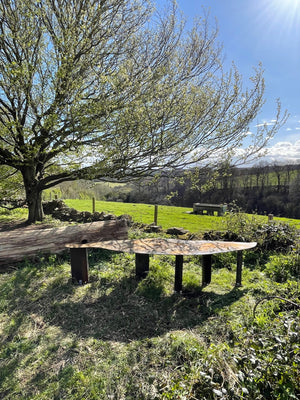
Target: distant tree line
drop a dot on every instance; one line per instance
(262, 188)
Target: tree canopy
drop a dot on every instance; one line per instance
(114, 89)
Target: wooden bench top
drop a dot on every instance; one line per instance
(168, 246)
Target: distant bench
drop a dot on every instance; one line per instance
(198, 208)
(142, 248)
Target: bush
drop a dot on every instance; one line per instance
(282, 267)
(272, 237)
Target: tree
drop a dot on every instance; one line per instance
(113, 89)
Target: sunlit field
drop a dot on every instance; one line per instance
(168, 216)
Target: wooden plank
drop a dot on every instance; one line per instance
(21, 243)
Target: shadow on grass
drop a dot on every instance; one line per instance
(124, 316)
(110, 309)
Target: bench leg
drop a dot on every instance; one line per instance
(178, 273)
(206, 269)
(141, 265)
(239, 265)
(79, 265)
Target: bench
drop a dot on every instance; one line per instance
(142, 248)
(198, 208)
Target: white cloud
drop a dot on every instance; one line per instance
(284, 152)
(264, 124)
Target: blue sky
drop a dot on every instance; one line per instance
(266, 31)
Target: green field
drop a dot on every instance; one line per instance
(144, 213)
(168, 216)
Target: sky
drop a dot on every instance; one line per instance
(266, 31)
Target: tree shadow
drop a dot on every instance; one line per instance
(123, 315)
(110, 309)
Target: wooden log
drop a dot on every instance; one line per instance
(21, 243)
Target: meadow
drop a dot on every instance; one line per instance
(168, 216)
(122, 339)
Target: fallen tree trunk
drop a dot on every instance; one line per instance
(15, 245)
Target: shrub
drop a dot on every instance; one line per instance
(282, 267)
(271, 236)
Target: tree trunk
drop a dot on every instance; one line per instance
(35, 208)
(33, 195)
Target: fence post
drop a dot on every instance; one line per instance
(94, 205)
(270, 217)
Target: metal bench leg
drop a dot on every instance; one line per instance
(141, 265)
(206, 269)
(239, 265)
(178, 273)
(79, 265)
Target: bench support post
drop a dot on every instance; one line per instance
(79, 265)
(178, 273)
(206, 269)
(239, 265)
(141, 265)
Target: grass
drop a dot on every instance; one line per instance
(11, 215)
(144, 213)
(122, 339)
(168, 216)
(117, 338)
